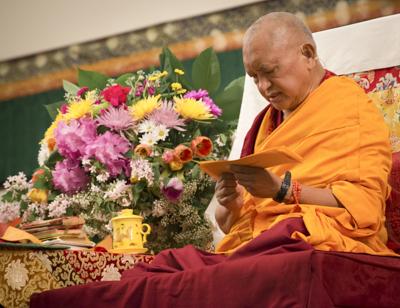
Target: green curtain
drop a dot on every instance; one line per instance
(23, 121)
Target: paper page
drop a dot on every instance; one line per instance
(265, 159)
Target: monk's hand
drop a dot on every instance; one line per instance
(258, 182)
(227, 191)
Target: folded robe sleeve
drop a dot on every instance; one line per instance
(365, 192)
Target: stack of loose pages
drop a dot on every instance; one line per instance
(65, 231)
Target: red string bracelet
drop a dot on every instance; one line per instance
(296, 192)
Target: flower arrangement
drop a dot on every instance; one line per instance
(131, 142)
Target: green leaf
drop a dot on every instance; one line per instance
(41, 183)
(139, 186)
(53, 159)
(196, 171)
(121, 80)
(69, 211)
(52, 195)
(170, 63)
(70, 87)
(206, 72)
(92, 80)
(7, 197)
(129, 154)
(53, 109)
(224, 138)
(23, 205)
(230, 99)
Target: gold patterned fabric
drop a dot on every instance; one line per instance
(383, 87)
(24, 272)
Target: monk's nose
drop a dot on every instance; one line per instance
(263, 85)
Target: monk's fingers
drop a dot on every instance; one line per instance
(227, 199)
(225, 183)
(244, 176)
(240, 169)
(227, 176)
(225, 191)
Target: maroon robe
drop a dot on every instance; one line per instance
(273, 270)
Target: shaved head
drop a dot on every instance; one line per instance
(279, 53)
(280, 29)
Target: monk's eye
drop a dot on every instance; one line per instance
(270, 72)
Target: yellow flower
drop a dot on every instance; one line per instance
(154, 77)
(38, 195)
(157, 76)
(181, 91)
(49, 134)
(189, 108)
(134, 179)
(176, 86)
(144, 107)
(79, 109)
(179, 72)
(176, 165)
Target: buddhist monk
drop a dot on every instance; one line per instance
(340, 188)
(278, 219)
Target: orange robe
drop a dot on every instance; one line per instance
(345, 145)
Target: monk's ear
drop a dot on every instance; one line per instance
(309, 52)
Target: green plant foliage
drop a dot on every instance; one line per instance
(206, 71)
(53, 109)
(69, 87)
(230, 99)
(92, 80)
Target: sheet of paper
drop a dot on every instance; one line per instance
(265, 159)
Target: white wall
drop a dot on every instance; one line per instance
(32, 26)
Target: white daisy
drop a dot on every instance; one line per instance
(148, 139)
(147, 126)
(160, 132)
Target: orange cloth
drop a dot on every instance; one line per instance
(11, 234)
(345, 145)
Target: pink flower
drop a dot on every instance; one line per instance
(69, 177)
(64, 108)
(72, 138)
(166, 115)
(173, 190)
(109, 149)
(203, 96)
(168, 156)
(139, 90)
(82, 91)
(116, 95)
(116, 118)
(151, 90)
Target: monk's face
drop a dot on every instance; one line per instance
(281, 72)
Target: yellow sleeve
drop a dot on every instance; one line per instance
(365, 193)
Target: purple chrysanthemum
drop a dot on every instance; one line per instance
(116, 118)
(203, 96)
(72, 138)
(109, 149)
(167, 116)
(173, 190)
(69, 177)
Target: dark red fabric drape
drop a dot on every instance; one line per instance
(273, 270)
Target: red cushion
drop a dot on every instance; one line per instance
(393, 205)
